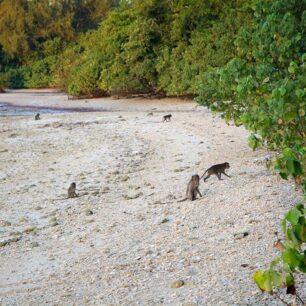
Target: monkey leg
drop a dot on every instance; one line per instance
(225, 174)
(208, 176)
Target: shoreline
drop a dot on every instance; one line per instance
(126, 238)
(58, 100)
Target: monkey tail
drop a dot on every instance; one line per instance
(203, 174)
(185, 199)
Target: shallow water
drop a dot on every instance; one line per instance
(8, 110)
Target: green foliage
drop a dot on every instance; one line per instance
(26, 25)
(263, 86)
(201, 38)
(84, 78)
(293, 257)
(13, 78)
(127, 52)
(39, 73)
(118, 57)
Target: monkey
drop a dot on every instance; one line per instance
(71, 191)
(167, 118)
(192, 189)
(216, 170)
(37, 116)
(150, 114)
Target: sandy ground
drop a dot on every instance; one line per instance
(126, 239)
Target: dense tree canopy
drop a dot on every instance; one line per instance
(26, 25)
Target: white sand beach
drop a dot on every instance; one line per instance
(126, 239)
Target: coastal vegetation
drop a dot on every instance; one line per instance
(243, 59)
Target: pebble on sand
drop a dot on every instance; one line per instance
(177, 284)
(240, 235)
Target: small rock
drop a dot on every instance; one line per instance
(195, 259)
(244, 265)
(16, 233)
(137, 195)
(177, 284)
(54, 224)
(5, 223)
(29, 229)
(286, 188)
(105, 189)
(34, 244)
(89, 221)
(13, 135)
(52, 219)
(22, 219)
(165, 220)
(125, 178)
(38, 208)
(57, 125)
(240, 235)
(88, 212)
(263, 159)
(9, 241)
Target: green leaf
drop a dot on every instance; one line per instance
(268, 284)
(290, 166)
(300, 232)
(253, 142)
(260, 279)
(297, 167)
(293, 216)
(300, 207)
(292, 68)
(284, 226)
(276, 279)
(287, 152)
(289, 116)
(292, 257)
(293, 238)
(302, 267)
(282, 91)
